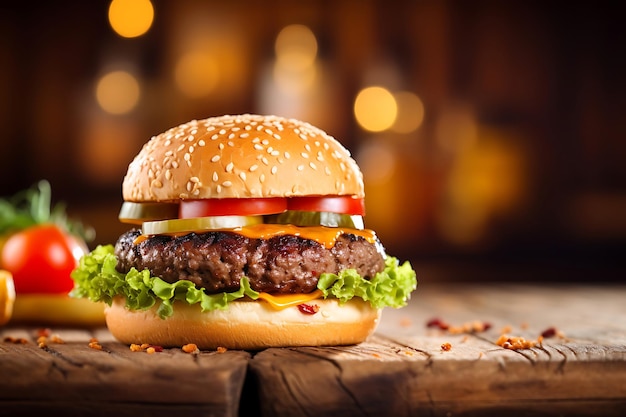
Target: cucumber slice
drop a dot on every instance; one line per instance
(138, 213)
(198, 224)
(317, 218)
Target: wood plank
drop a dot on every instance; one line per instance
(74, 378)
(404, 371)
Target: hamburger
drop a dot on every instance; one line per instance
(245, 232)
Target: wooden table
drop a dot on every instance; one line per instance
(403, 370)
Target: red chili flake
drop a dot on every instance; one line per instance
(157, 348)
(486, 326)
(549, 332)
(308, 308)
(438, 323)
(43, 332)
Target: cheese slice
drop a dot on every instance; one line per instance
(280, 302)
(326, 236)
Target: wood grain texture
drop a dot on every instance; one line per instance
(77, 379)
(402, 370)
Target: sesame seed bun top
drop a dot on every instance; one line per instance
(241, 156)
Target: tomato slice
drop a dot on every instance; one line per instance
(345, 204)
(231, 207)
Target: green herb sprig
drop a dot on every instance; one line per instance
(34, 206)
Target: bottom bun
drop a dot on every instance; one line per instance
(57, 310)
(249, 325)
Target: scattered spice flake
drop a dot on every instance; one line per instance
(446, 346)
(94, 344)
(55, 338)
(190, 348)
(145, 347)
(42, 342)
(438, 323)
(475, 326)
(221, 349)
(308, 308)
(514, 342)
(549, 332)
(16, 340)
(45, 332)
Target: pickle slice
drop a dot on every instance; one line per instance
(316, 218)
(137, 213)
(198, 224)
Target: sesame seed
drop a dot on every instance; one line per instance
(262, 178)
(180, 148)
(156, 184)
(242, 175)
(302, 136)
(227, 184)
(231, 136)
(168, 142)
(174, 164)
(215, 158)
(312, 165)
(196, 192)
(218, 188)
(231, 143)
(304, 154)
(194, 179)
(201, 142)
(256, 140)
(215, 136)
(169, 153)
(215, 176)
(220, 146)
(327, 170)
(222, 131)
(264, 160)
(229, 167)
(287, 155)
(168, 174)
(253, 168)
(274, 169)
(258, 147)
(191, 148)
(307, 147)
(300, 167)
(265, 142)
(187, 157)
(244, 135)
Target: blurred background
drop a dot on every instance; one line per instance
(491, 134)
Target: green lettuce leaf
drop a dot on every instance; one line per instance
(97, 279)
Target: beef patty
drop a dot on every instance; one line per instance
(217, 261)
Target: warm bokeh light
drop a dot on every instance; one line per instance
(131, 18)
(118, 92)
(196, 74)
(296, 47)
(410, 112)
(486, 181)
(375, 109)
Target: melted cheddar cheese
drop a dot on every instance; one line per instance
(325, 236)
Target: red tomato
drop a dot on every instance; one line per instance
(344, 204)
(41, 259)
(231, 207)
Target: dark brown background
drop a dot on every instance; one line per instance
(543, 81)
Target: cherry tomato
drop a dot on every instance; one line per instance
(41, 259)
(231, 207)
(344, 204)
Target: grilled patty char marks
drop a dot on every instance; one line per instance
(218, 260)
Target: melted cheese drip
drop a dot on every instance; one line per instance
(280, 302)
(325, 236)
